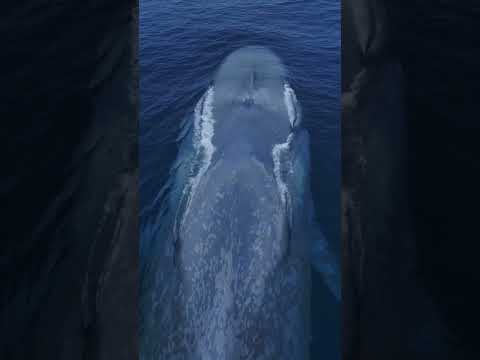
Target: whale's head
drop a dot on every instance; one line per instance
(253, 105)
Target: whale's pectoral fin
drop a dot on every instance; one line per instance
(324, 262)
(322, 259)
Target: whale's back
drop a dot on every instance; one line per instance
(243, 295)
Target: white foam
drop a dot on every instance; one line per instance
(207, 130)
(202, 141)
(291, 103)
(277, 152)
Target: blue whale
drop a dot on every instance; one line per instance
(226, 274)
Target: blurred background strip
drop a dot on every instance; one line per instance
(69, 188)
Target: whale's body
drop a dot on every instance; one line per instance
(231, 275)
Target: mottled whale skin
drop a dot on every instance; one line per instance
(228, 275)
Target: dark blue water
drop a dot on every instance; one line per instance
(181, 45)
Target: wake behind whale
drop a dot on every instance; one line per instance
(226, 270)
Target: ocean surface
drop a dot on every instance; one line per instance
(182, 43)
